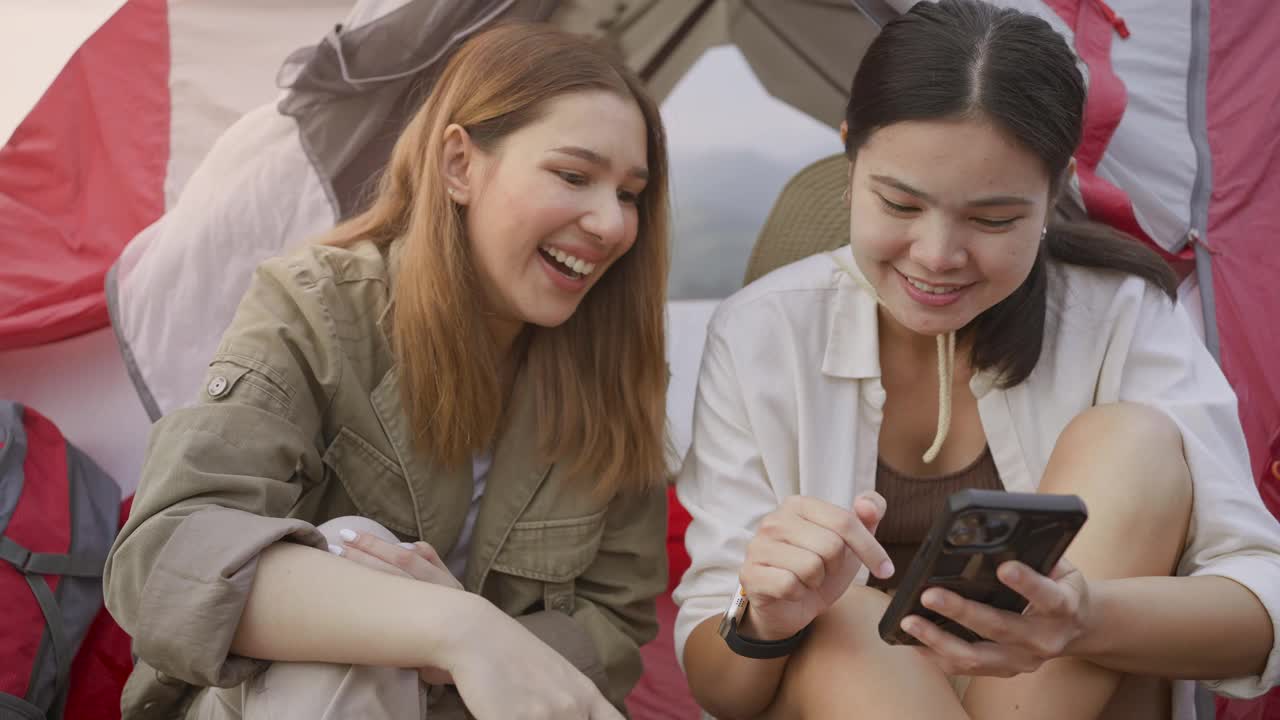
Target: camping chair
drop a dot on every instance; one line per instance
(808, 217)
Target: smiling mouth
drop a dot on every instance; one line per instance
(566, 264)
(933, 289)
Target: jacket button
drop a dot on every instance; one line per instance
(217, 386)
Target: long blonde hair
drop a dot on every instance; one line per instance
(600, 378)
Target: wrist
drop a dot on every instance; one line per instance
(1092, 638)
(457, 619)
(748, 627)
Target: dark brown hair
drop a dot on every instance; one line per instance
(969, 59)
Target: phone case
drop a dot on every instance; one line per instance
(976, 532)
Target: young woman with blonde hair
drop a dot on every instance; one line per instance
(429, 452)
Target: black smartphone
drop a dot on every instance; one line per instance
(976, 532)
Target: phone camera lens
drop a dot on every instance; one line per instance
(997, 530)
(966, 530)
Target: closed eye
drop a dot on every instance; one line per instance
(895, 207)
(573, 178)
(628, 197)
(996, 224)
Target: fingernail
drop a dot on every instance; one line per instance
(1012, 573)
(933, 599)
(408, 546)
(886, 569)
(336, 550)
(347, 535)
(908, 626)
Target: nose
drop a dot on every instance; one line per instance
(606, 219)
(940, 248)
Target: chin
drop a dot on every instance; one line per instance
(926, 323)
(550, 318)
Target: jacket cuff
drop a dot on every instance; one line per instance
(571, 640)
(194, 596)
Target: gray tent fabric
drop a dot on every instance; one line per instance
(804, 52)
(352, 93)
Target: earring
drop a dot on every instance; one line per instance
(846, 196)
(451, 192)
(1044, 233)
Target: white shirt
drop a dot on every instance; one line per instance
(790, 402)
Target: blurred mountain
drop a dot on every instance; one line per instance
(720, 200)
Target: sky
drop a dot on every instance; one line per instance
(719, 104)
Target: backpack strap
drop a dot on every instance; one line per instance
(29, 563)
(20, 558)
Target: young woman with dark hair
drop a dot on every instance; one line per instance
(965, 340)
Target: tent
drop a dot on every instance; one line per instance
(154, 160)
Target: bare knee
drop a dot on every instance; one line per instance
(357, 523)
(1138, 441)
(1127, 462)
(819, 669)
(844, 664)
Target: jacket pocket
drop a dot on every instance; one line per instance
(372, 481)
(552, 551)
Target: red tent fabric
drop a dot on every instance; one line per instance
(1243, 236)
(81, 176)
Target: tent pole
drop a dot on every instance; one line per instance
(1204, 277)
(686, 26)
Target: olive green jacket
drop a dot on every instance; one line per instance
(300, 421)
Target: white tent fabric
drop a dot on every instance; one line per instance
(200, 255)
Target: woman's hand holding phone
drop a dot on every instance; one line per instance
(1057, 616)
(803, 557)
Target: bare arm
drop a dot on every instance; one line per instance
(724, 683)
(1157, 626)
(308, 605)
(801, 561)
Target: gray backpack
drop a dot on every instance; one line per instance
(59, 514)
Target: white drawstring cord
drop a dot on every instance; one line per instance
(946, 368)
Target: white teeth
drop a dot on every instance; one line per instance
(930, 288)
(572, 263)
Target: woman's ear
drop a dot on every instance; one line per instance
(844, 133)
(456, 163)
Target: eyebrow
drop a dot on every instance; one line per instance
(596, 158)
(994, 201)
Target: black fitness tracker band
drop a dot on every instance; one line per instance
(759, 649)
